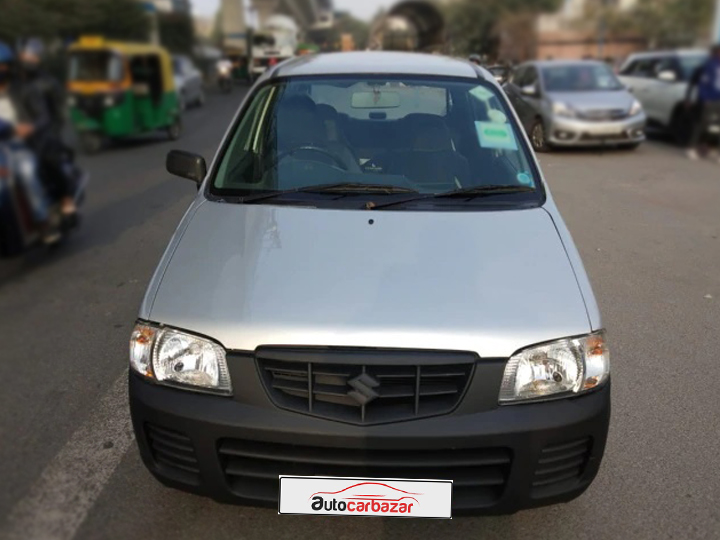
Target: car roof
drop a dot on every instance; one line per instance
(675, 52)
(550, 63)
(378, 63)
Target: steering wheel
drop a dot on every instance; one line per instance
(309, 148)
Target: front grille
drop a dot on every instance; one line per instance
(604, 115)
(174, 454)
(366, 394)
(252, 468)
(613, 137)
(561, 465)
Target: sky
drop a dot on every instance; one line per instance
(363, 9)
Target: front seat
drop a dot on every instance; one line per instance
(300, 124)
(336, 141)
(431, 162)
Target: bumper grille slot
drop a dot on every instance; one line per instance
(173, 454)
(560, 465)
(252, 468)
(364, 394)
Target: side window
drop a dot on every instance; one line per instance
(531, 77)
(645, 68)
(630, 68)
(238, 163)
(667, 64)
(518, 76)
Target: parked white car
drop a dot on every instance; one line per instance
(659, 80)
(188, 82)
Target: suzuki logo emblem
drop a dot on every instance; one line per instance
(363, 389)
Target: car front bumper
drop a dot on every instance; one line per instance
(501, 460)
(577, 132)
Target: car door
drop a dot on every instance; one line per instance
(512, 86)
(522, 78)
(639, 76)
(665, 96)
(530, 105)
(660, 95)
(196, 79)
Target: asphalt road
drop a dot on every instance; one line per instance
(648, 227)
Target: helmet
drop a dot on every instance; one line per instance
(6, 53)
(34, 46)
(475, 59)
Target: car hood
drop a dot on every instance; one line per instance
(489, 282)
(594, 101)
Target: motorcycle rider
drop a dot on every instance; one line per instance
(24, 119)
(54, 155)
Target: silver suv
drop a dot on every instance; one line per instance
(373, 282)
(659, 80)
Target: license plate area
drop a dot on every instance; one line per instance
(333, 496)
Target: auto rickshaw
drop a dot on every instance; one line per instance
(118, 90)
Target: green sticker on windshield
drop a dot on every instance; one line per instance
(496, 136)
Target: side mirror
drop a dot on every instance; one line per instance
(186, 165)
(530, 91)
(667, 76)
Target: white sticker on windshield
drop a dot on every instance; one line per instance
(496, 136)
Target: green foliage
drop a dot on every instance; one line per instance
(360, 30)
(667, 23)
(177, 32)
(471, 23)
(68, 19)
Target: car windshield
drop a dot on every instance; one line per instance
(689, 63)
(95, 66)
(580, 78)
(424, 136)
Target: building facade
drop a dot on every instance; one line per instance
(573, 32)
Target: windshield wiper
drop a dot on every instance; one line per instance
(465, 193)
(347, 188)
(484, 191)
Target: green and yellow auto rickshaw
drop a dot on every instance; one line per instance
(118, 90)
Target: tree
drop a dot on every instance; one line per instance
(360, 30)
(177, 32)
(69, 19)
(472, 24)
(665, 23)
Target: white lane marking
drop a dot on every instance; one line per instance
(67, 489)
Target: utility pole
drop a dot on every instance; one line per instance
(716, 28)
(602, 28)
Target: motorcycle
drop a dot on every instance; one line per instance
(19, 231)
(224, 76)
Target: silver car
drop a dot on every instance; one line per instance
(373, 282)
(659, 80)
(575, 104)
(188, 82)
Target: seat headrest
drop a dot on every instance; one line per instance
(298, 123)
(429, 133)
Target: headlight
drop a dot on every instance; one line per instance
(175, 358)
(636, 108)
(560, 369)
(71, 101)
(562, 109)
(109, 101)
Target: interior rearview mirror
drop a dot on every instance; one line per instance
(186, 165)
(667, 76)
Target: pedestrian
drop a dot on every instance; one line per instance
(55, 156)
(705, 88)
(24, 118)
